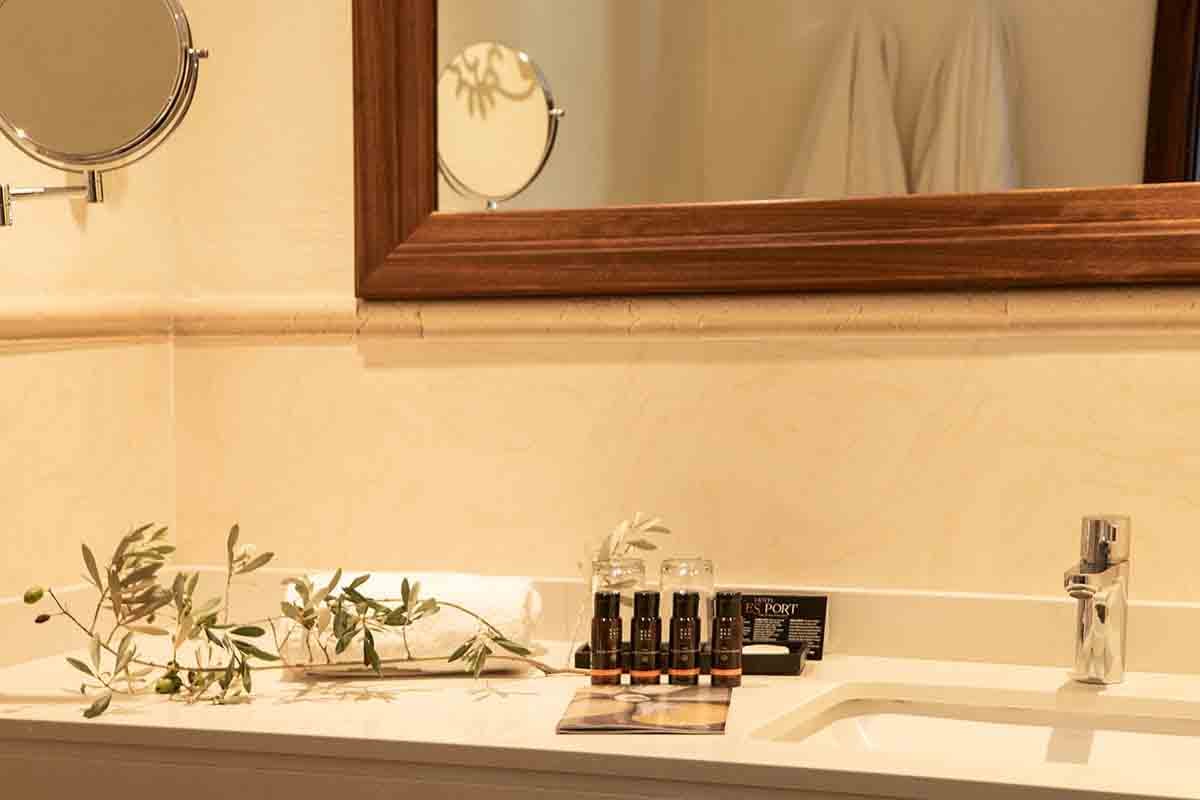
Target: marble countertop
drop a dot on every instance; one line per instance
(448, 721)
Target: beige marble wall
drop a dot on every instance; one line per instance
(263, 204)
(87, 452)
(956, 464)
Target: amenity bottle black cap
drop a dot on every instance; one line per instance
(686, 604)
(645, 604)
(608, 604)
(729, 604)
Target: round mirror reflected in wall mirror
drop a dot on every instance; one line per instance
(497, 122)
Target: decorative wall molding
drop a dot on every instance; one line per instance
(101, 317)
(1173, 311)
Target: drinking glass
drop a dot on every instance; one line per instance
(689, 574)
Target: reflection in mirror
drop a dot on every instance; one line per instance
(679, 101)
(497, 122)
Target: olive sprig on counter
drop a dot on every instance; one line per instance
(214, 659)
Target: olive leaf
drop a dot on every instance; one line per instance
(94, 652)
(341, 621)
(370, 656)
(124, 653)
(333, 583)
(513, 647)
(114, 593)
(461, 651)
(345, 639)
(124, 659)
(642, 544)
(251, 631)
(184, 629)
(99, 706)
(481, 656)
(147, 608)
(140, 574)
(90, 561)
(227, 679)
(256, 652)
(150, 630)
(257, 563)
(231, 542)
(82, 667)
(207, 607)
(178, 587)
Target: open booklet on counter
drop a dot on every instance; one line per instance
(647, 709)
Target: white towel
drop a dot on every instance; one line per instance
(511, 604)
(966, 137)
(851, 146)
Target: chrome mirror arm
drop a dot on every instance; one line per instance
(91, 191)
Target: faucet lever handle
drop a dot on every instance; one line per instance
(1104, 541)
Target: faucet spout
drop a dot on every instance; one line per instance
(1083, 585)
(1100, 585)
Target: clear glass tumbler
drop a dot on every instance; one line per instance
(624, 575)
(689, 574)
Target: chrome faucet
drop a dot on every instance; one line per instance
(1100, 584)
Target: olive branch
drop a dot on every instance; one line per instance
(225, 655)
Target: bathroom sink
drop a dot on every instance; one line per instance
(1076, 725)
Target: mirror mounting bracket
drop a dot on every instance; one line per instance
(91, 191)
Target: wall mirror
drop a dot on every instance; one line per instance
(719, 146)
(92, 86)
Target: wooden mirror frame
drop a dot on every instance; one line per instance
(406, 250)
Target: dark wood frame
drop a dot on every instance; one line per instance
(1171, 135)
(405, 250)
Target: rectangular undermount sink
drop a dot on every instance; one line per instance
(1076, 725)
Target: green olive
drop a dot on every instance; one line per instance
(168, 685)
(34, 594)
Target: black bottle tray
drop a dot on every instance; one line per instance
(790, 663)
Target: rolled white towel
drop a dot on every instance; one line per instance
(513, 605)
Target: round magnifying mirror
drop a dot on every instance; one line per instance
(94, 85)
(496, 122)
